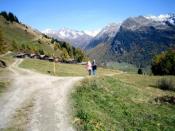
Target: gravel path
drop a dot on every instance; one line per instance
(49, 95)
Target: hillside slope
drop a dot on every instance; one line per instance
(21, 38)
(122, 102)
(16, 34)
(139, 39)
(106, 36)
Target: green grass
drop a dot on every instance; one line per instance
(126, 67)
(13, 32)
(142, 81)
(123, 66)
(121, 102)
(61, 69)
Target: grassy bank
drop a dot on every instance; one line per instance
(61, 69)
(122, 102)
(4, 72)
(3, 86)
(8, 58)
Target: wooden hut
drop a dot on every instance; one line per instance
(51, 59)
(20, 55)
(71, 61)
(44, 57)
(34, 56)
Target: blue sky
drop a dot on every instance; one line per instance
(82, 14)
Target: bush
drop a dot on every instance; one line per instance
(166, 99)
(164, 63)
(166, 84)
(140, 71)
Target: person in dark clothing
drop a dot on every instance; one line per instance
(94, 67)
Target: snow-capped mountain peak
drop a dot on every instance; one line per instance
(110, 29)
(65, 33)
(49, 31)
(163, 18)
(75, 37)
(92, 33)
(69, 33)
(106, 34)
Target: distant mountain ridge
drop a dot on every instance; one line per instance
(136, 41)
(74, 37)
(163, 18)
(105, 35)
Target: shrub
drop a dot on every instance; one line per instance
(140, 71)
(166, 84)
(164, 63)
(166, 99)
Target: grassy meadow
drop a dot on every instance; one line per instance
(122, 102)
(122, 66)
(112, 100)
(126, 67)
(61, 69)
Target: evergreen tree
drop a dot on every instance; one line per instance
(79, 55)
(16, 19)
(52, 40)
(140, 71)
(65, 54)
(5, 15)
(11, 17)
(41, 52)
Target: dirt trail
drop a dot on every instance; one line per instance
(49, 95)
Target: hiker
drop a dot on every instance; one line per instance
(94, 67)
(89, 67)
